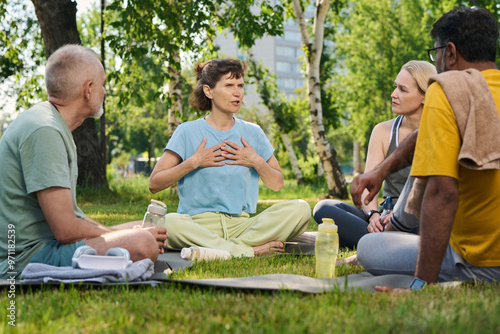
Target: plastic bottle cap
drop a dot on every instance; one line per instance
(186, 253)
(388, 203)
(328, 226)
(157, 208)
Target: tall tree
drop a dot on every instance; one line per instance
(374, 40)
(20, 41)
(57, 21)
(163, 30)
(313, 49)
(279, 109)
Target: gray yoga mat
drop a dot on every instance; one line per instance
(273, 282)
(298, 283)
(280, 282)
(171, 260)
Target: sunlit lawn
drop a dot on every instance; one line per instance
(174, 308)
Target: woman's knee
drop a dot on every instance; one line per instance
(175, 223)
(325, 209)
(303, 210)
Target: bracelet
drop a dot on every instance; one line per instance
(370, 214)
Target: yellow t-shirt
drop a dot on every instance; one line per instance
(475, 234)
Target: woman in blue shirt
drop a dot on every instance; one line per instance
(217, 162)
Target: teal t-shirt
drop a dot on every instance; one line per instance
(231, 188)
(37, 152)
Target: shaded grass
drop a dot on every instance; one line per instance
(179, 309)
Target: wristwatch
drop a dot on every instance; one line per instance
(370, 214)
(417, 284)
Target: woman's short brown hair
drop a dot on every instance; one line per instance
(209, 73)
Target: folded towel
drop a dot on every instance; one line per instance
(477, 119)
(415, 198)
(42, 273)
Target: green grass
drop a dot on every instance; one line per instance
(171, 308)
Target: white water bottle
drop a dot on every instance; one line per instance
(204, 254)
(387, 207)
(155, 214)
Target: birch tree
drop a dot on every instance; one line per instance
(313, 48)
(286, 122)
(375, 40)
(175, 93)
(163, 29)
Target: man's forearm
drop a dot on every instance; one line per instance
(439, 206)
(400, 158)
(372, 181)
(81, 229)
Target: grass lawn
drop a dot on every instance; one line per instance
(177, 309)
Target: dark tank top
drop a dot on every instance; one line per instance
(395, 182)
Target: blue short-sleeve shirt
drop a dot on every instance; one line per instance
(231, 188)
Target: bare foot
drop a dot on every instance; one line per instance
(352, 260)
(271, 247)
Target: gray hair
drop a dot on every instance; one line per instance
(68, 68)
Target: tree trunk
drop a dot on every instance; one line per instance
(293, 158)
(175, 92)
(321, 171)
(57, 20)
(270, 99)
(328, 156)
(356, 158)
(103, 139)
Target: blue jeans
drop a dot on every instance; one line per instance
(396, 253)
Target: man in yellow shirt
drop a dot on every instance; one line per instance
(459, 221)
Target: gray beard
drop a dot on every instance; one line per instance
(99, 112)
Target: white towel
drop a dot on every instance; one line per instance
(42, 273)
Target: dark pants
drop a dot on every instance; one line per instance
(350, 220)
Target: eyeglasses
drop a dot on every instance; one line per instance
(432, 52)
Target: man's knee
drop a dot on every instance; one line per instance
(366, 249)
(145, 246)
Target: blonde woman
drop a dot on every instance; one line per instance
(407, 102)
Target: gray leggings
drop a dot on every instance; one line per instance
(396, 253)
